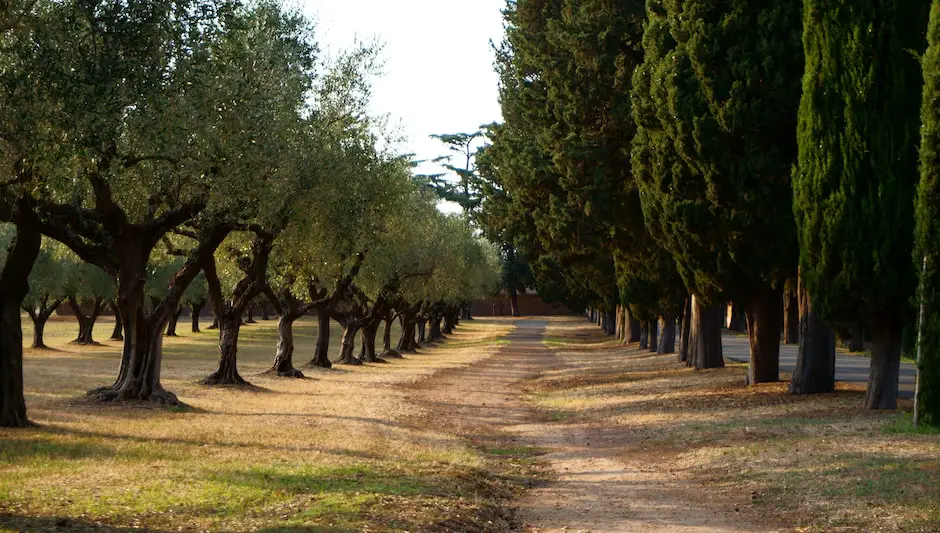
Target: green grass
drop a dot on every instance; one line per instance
(328, 453)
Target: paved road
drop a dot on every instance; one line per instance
(853, 369)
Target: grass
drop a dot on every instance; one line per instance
(818, 463)
(331, 453)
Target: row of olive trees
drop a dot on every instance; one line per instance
(161, 141)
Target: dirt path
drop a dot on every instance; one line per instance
(594, 490)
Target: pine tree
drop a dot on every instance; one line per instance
(715, 103)
(927, 257)
(857, 170)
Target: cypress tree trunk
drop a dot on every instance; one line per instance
(610, 322)
(227, 373)
(644, 335)
(348, 345)
(284, 356)
(856, 341)
(667, 335)
(195, 309)
(706, 351)
(321, 357)
(885, 364)
(791, 318)
(117, 334)
(816, 357)
(764, 316)
(636, 329)
(653, 340)
(686, 331)
(13, 288)
(738, 320)
(171, 325)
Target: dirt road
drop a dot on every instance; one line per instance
(594, 488)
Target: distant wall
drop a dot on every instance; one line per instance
(529, 305)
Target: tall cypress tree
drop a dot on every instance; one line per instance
(716, 102)
(928, 226)
(857, 169)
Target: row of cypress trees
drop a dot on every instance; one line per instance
(735, 147)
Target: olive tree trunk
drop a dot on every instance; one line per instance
(284, 356)
(13, 288)
(347, 354)
(227, 373)
(86, 322)
(195, 310)
(171, 325)
(321, 356)
(117, 334)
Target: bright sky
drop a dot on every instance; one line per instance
(438, 75)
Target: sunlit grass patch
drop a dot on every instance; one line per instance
(334, 452)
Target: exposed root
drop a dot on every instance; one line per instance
(289, 373)
(350, 361)
(318, 364)
(392, 355)
(159, 396)
(224, 379)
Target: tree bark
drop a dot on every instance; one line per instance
(174, 319)
(422, 330)
(348, 345)
(387, 338)
(435, 327)
(610, 321)
(738, 319)
(227, 373)
(653, 335)
(667, 335)
(449, 323)
(706, 351)
(791, 318)
(636, 329)
(249, 312)
(39, 317)
(514, 300)
(406, 343)
(321, 357)
(644, 335)
(856, 342)
(686, 331)
(284, 357)
(816, 356)
(368, 333)
(195, 309)
(86, 323)
(14, 285)
(885, 364)
(117, 334)
(764, 314)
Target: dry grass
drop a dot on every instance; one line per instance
(818, 463)
(330, 453)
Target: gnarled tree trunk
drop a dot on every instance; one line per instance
(348, 345)
(195, 309)
(284, 357)
(368, 333)
(321, 357)
(422, 329)
(86, 323)
(174, 319)
(816, 356)
(13, 288)
(764, 315)
(406, 343)
(227, 373)
(40, 316)
(387, 350)
(117, 334)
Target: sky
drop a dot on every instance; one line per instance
(438, 64)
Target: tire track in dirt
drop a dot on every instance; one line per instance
(593, 490)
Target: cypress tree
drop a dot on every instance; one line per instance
(857, 170)
(715, 104)
(928, 227)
